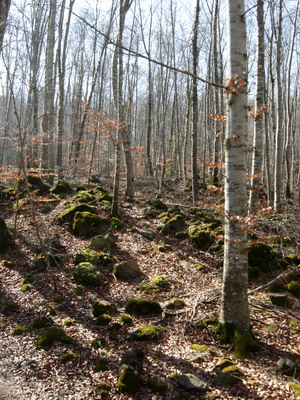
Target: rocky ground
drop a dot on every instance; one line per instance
(86, 357)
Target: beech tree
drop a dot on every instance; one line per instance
(234, 305)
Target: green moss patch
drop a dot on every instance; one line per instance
(51, 336)
(101, 307)
(173, 224)
(62, 188)
(9, 307)
(200, 236)
(87, 274)
(67, 215)
(85, 256)
(157, 386)
(147, 332)
(20, 330)
(42, 322)
(143, 307)
(69, 356)
(129, 379)
(200, 348)
(295, 388)
(26, 287)
(85, 196)
(160, 282)
(261, 255)
(175, 304)
(86, 223)
(103, 319)
(294, 288)
(103, 388)
(101, 364)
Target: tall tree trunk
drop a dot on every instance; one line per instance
(195, 185)
(257, 156)
(234, 306)
(4, 9)
(279, 115)
(48, 161)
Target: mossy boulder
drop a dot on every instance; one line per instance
(35, 184)
(276, 287)
(85, 196)
(127, 270)
(160, 282)
(133, 357)
(294, 288)
(67, 215)
(87, 274)
(86, 223)
(200, 236)
(5, 237)
(114, 329)
(26, 287)
(101, 242)
(157, 204)
(9, 307)
(157, 386)
(261, 255)
(85, 256)
(101, 307)
(69, 356)
(103, 388)
(103, 320)
(143, 307)
(175, 304)
(293, 259)
(147, 332)
(42, 322)
(199, 348)
(102, 194)
(20, 330)
(128, 379)
(51, 336)
(62, 188)
(227, 373)
(295, 388)
(174, 224)
(279, 299)
(207, 323)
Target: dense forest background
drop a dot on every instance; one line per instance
(58, 109)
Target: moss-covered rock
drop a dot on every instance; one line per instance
(9, 307)
(42, 322)
(86, 223)
(261, 255)
(62, 188)
(101, 307)
(276, 287)
(103, 388)
(5, 237)
(127, 270)
(200, 236)
(199, 348)
(114, 329)
(294, 288)
(161, 282)
(78, 290)
(161, 248)
(174, 224)
(85, 256)
(147, 332)
(51, 336)
(157, 204)
(175, 304)
(102, 194)
(129, 379)
(207, 322)
(101, 242)
(20, 330)
(42, 261)
(293, 259)
(157, 386)
(69, 356)
(143, 307)
(279, 299)
(103, 319)
(133, 357)
(35, 184)
(9, 265)
(182, 235)
(101, 364)
(67, 215)
(85, 196)
(26, 287)
(295, 388)
(87, 274)
(117, 224)
(125, 319)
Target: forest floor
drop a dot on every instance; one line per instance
(30, 372)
